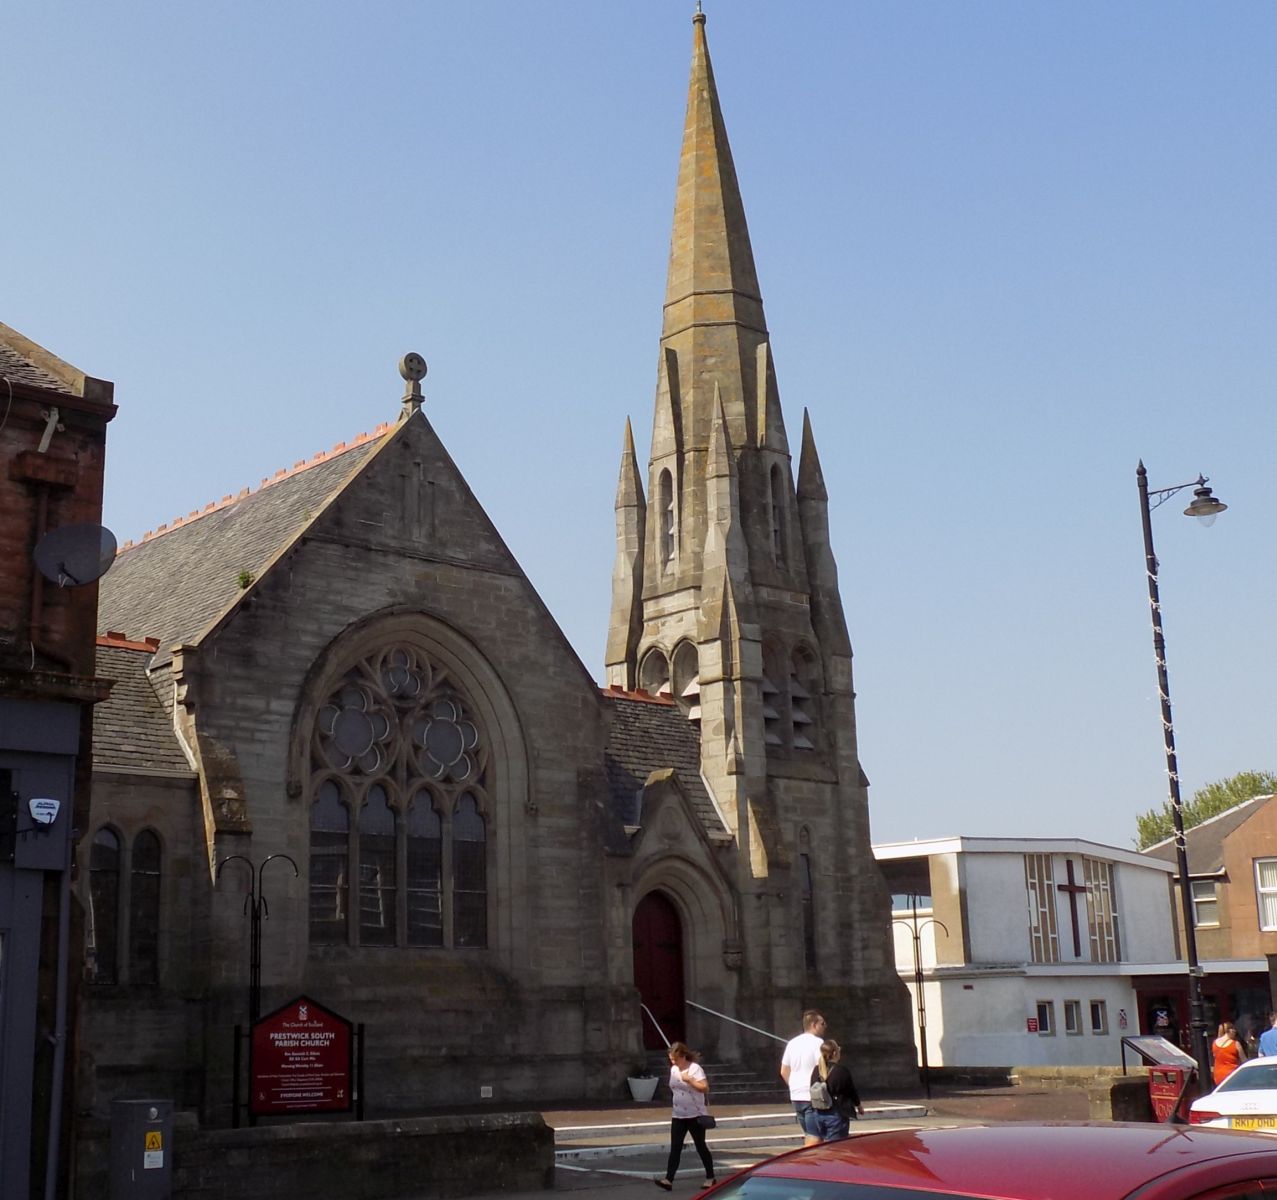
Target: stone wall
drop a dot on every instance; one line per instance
(421, 1158)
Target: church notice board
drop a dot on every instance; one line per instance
(300, 1060)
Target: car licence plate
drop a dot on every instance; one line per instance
(1253, 1123)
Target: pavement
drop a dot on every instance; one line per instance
(617, 1151)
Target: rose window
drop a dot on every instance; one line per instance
(398, 710)
(446, 741)
(354, 729)
(401, 676)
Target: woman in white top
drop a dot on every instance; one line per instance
(689, 1088)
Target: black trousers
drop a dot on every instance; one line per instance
(680, 1127)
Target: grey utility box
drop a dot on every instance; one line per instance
(141, 1149)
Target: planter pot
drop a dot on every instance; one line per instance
(642, 1087)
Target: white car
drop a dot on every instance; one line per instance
(1247, 1099)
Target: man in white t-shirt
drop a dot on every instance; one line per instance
(802, 1053)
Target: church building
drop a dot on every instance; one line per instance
(339, 696)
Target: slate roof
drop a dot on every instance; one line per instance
(1205, 842)
(652, 735)
(131, 729)
(17, 367)
(178, 580)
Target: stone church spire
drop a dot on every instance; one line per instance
(715, 603)
(729, 604)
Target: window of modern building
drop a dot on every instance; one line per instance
(1266, 892)
(1205, 903)
(1039, 882)
(1101, 909)
(1073, 1017)
(1046, 1018)
(144, 910)
(1099, 1016)
(398, 776)
(102, 937)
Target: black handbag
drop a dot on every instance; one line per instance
(706, 1121)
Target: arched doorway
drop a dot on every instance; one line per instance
(658, 967)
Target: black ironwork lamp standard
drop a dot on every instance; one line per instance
(1206, 508)
(257, 910)
(915, 928)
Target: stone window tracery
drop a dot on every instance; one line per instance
(144, 910)
(398, 772)
(104, 907)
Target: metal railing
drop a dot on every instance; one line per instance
(655, 1023)
(733, 1020)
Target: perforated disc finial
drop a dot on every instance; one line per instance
(413, 368)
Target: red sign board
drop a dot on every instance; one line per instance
(301, 1060)
(1031, 1024)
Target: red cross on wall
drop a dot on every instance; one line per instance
(1072, 889)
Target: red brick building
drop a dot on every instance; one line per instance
(53, 421)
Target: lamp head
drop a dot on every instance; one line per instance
(1204, 506)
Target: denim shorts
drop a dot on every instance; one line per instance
(831, 1125)
(806, 1118)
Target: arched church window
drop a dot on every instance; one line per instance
(103, 933)
(654, 672)
(144, 910)
(377, 889)
(397, 731)
(329, 859)
(778, 513)
(685, 672)
(807, 893)
(469, 874)
(425, 872)
(665, 508)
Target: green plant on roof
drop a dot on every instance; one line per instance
(244, 578)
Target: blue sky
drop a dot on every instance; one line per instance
(1006, 251)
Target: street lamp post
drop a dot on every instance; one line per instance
(915, 930)
(1206, 508)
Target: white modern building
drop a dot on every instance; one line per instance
(1029, 949)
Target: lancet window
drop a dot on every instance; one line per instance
(399, 816)
(122, 932)
(103, 933)
(665, 511)
(685, 668)
(777, 489)
(144, 909)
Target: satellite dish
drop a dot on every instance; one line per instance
(75, 554)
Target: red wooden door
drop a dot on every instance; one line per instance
(658, 967)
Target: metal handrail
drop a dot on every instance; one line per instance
(655, 1023)
(733, 1020)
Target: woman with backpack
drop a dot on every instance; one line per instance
(834, 1099)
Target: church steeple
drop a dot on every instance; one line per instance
(711, 272)
(718, 605)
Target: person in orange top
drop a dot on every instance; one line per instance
(1227, 1053)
